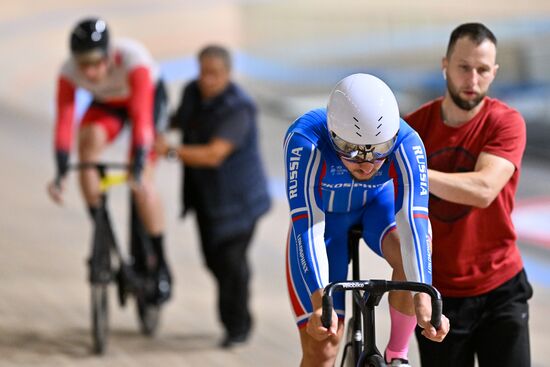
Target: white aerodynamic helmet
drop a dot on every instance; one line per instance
(362, 118)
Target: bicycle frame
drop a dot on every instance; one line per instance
(366, 296)
(104, 240)
(133, 275)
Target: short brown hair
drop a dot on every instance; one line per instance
(477, 32)
(216, 51)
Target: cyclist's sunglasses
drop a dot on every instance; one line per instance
(362, 153)
(91, 58)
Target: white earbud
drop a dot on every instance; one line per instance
(444, 72)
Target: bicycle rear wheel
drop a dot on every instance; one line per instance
(100, 317)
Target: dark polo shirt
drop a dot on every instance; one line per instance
(234, 195)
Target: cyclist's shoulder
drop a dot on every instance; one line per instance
(311, 125)
(406, 135)
(313, 117)
(130, 53)
(68, 69)
(129, 46)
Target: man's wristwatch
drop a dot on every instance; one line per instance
(172, 154)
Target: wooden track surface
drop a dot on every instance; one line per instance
(44, 297)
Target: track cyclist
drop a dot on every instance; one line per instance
(126, 87)
(356, 163)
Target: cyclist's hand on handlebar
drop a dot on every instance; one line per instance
(316, 329)
(55, 190)
(315, 326)
(423, 309)
(57, 186)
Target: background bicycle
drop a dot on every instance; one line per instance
(135, 274)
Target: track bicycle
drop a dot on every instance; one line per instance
(135, 275)
(360, 343)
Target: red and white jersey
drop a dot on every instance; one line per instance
(126, 55)
(129, 83)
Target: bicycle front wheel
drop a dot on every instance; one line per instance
(373, 361)
(100, 317)
(149, 315)
(353, 347)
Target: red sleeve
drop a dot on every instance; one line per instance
(140, 107)
(508, 138)
(65, 115)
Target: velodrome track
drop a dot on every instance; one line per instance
(44, 298)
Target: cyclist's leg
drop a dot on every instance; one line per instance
(147, 197)
(148, 201)
(97, 130)
(151, 213)
(322, 353)
(457, 349)
(503, 336)
(319, 353)
(379, 232)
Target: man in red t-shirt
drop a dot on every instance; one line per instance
(475, 146)
(125, 84)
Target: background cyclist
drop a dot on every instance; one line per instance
(343, 166)
(124, 82)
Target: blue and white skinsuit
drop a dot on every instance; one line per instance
(326, 201)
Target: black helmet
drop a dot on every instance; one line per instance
(88, 35)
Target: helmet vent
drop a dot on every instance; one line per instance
(378, 127)
(357, 126)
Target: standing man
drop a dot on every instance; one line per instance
(356, 163)
(475, 146)
(224, 181)
(124, 82)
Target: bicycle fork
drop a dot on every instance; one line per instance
(103, 240)
(363, 304)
